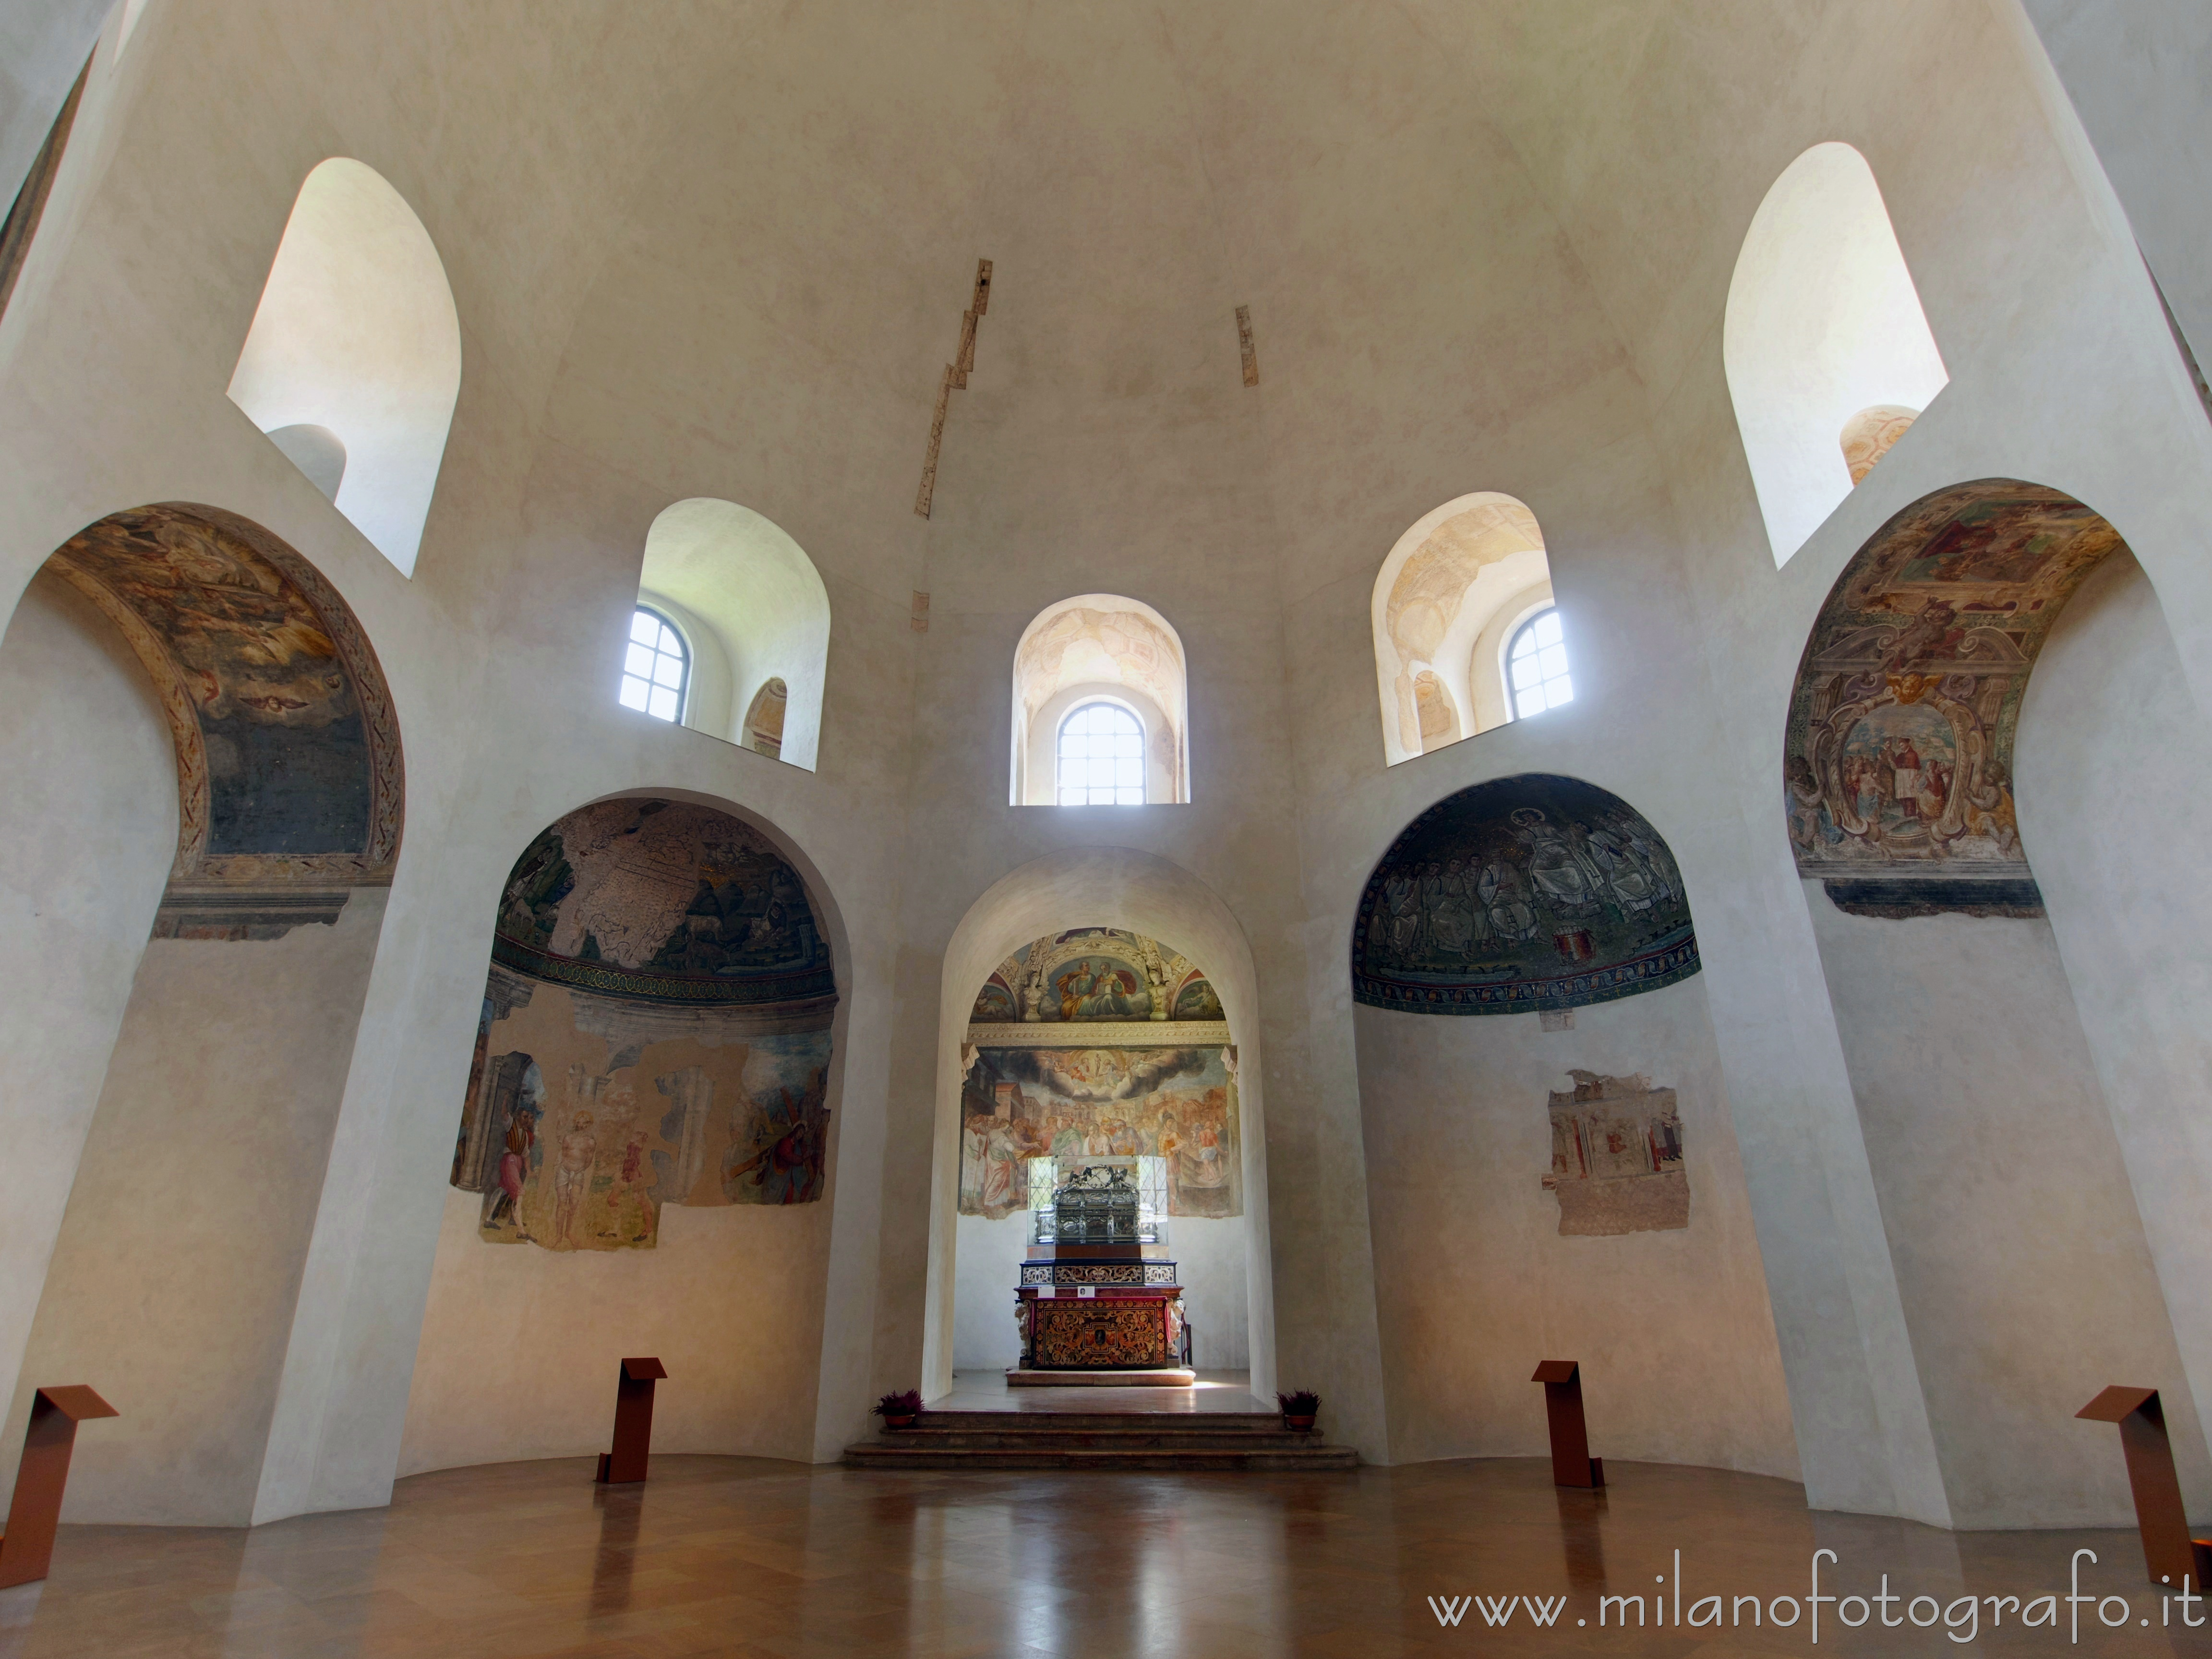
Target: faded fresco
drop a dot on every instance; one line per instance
(1519, 894)
(1898, 755)
(1177, 1104)
(1094, 974)
(1617, 1157)
(655, 1030)
(288, 754)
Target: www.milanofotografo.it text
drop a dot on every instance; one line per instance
(1960, 1619)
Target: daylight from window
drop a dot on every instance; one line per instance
(1101, 757)
(655, 668)
(1536, 667)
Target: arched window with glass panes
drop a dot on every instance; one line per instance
(1102, 757)
(1536, 677)
(657, 669)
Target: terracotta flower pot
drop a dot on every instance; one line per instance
(1299, 1425)
(904, 1420)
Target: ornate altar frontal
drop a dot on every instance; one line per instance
(1097, 1292)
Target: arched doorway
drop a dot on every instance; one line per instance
(1102, 907)
(2019, 1188)
(190, 1135)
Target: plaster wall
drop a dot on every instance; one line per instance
(87, 827)
(178, 1264)
(689, 266)
(2027, 1281)
(1476, 1285)
(1208, 1254)
(2103, 804)
(519, 1345)
(43, 45)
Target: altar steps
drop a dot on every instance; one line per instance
(1097, 1440)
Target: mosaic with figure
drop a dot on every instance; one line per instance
(1519, 894)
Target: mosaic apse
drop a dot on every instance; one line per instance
(1521, 895)
(655, 1030)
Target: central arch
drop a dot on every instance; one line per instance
(1107, 887)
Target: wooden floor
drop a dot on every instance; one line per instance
(747, 1556)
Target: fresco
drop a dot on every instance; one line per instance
(663, 900)
(1178, 1104)
(1898, 755)
(656, 1029)
(1519, 894)
(290, 774)
(1617, 1157)
(1094, 974)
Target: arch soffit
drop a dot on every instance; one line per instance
(1823, 321)
(1117, 887)
(357, 331)
(1435, 565)
(1101, 638)
(1898, 746)
(737, 569)
(290, 777)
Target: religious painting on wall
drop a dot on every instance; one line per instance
(1175, 1104)
(655, 1030)
(1520, 894)
(1094, 974)
(1617, 1157)
(289, 779)
(1899, 752)
(1144, 1068)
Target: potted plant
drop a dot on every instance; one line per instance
(898, 1411)
(1299, 1409)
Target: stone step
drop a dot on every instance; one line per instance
(1100, 1439)
(1061, 1422)
(902, 1453)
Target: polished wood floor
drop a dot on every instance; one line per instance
(733, 1556)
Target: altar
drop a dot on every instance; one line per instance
(1098, 1300)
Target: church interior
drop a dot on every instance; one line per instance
(991, 828)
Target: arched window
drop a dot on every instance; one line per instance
(657, 669)
(753, 610)
(1110, 650)
(1827, 352)
(1444, 602)
(1101, 757)
(1536, 665)
(354, 359)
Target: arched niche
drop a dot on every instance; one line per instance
(1962, 1005)
(1823, 324)
(753, 608)
(194, 1125)
(1100, 647)
(1100, 1041)
(1123, 898)
(660, 1017)
(1556, 1156)
(647, 946)
(356, 334)
(1444, 602)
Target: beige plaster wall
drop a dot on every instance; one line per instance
(519, 1345)
(1474, 1283)
(87, 827)
(178, 1264)
(2028, 1284)
(2104, 806)
(704, 262)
